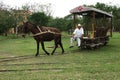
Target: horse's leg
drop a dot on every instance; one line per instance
(61, 47)
(37, 48)
(56, 45)
(42, 43)
(60, 43)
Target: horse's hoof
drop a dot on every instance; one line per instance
(63, 52)
(52, 54)
(47, 53)
(36, 55)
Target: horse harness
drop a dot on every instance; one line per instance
(43, 32)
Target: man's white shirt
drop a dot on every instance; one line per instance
(78, 32)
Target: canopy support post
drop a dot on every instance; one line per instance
(86, 17)
(74, 21)
(104, 21)
(111, 27)
(93, 25)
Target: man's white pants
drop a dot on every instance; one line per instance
(73, 39)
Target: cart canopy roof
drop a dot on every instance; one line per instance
(87, 11)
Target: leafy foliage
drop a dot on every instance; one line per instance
(57, 23)
(115, 12)
(42, 15)
(39, 18)
(6, 21)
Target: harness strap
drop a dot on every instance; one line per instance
(47, 31)
(39, 28)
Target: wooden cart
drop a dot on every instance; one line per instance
(99, 35)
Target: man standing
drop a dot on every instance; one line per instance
(78, 35)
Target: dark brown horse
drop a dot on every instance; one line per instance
(42, 34)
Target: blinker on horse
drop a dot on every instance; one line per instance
(42, 34)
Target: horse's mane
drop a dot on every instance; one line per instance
(28, 22)
(31, 23)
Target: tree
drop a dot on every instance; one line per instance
(58, 23)
(37, 7)
(39, 18)
(6, 19)
(115, 10)
(6, 22)
(116, 19)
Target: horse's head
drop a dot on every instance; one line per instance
(25, 29)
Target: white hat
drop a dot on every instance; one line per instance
(79, 24)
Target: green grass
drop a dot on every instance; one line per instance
(76, 64)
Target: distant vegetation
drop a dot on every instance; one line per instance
(8, 18)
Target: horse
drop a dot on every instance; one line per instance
(42, 34)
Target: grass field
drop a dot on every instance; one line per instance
(17, 61)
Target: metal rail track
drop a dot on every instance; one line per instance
(6, 59)
(39, 69)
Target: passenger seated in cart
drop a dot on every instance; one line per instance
(78, 35)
